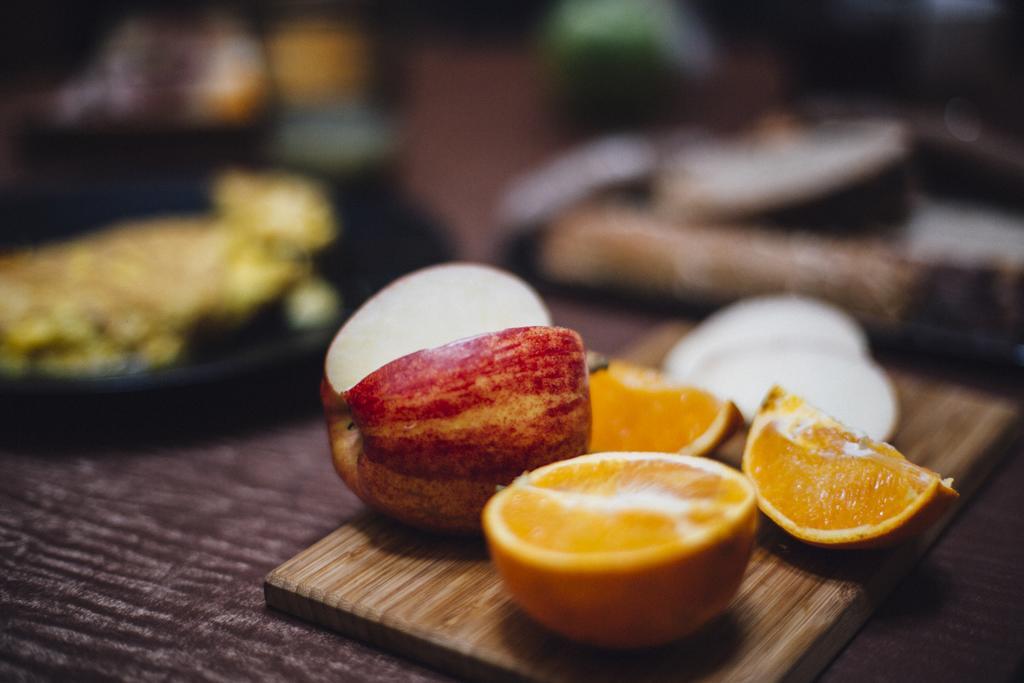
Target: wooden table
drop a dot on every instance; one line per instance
(134, 536)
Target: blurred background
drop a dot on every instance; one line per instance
(455, 106)
(193, 196)
(344, 86)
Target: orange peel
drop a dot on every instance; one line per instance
(828, 485)
(623, 550)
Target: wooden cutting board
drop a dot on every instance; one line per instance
(439, 601)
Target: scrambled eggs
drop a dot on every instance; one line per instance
(143, 294)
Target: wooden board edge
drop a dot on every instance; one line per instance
(418, 648)
(820, 653)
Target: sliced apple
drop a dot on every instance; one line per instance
(768, 321)
(815, 348)
(430, 307)
(447, 384)
(853, 389)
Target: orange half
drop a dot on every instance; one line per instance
(636, 409)
(828, 485)
(623, 550)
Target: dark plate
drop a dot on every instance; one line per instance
(383, 237)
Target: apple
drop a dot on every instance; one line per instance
(812, 347)
(769, 321)
(446, 384)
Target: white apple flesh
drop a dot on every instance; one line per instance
(766, 321)
(852, 389)
(428, 308)
(811, 347)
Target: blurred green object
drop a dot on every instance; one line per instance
(335, 142)
(610, 61)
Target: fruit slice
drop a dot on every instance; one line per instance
(855, 390)
(831, 486)
(428, 308)
(446, 384)
(623, 550)
(636, 409)
(768, 321)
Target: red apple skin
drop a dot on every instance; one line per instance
(428, 437)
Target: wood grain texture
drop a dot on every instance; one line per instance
(135, 532)
(439, 601)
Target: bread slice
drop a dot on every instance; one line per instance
(630, 249)
(953, 272)
(833, 173)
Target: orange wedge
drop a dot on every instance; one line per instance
(623, 550)
(636, 409)
(830, 486)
